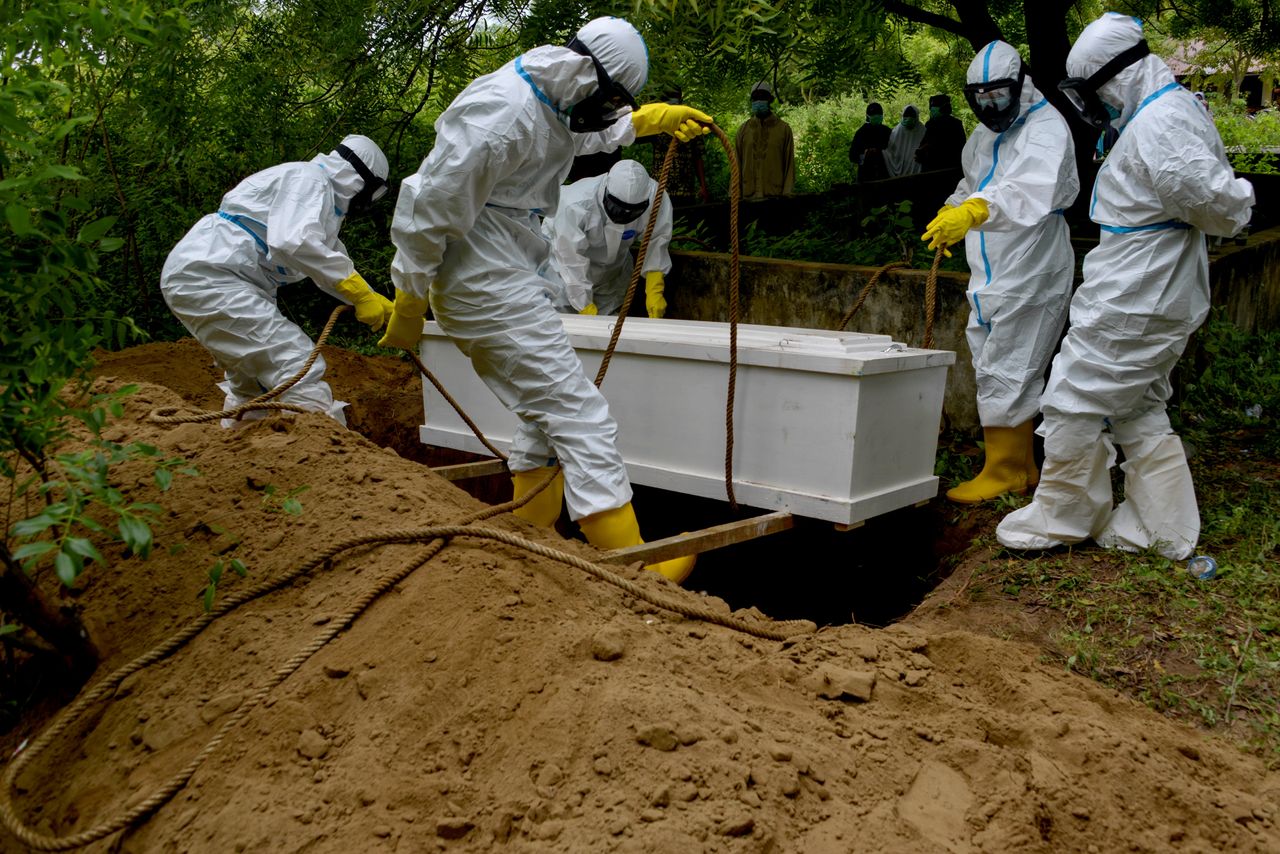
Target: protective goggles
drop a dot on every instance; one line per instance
(996, 103)
(374, 187)
(602, 107)
(623, 212)
(1083, 93)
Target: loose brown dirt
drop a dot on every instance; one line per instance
(495, 699)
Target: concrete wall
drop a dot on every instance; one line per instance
(1245, 281)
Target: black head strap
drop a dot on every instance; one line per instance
(1118, 63)
(372, 183)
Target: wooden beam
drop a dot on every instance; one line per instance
(462, 471)
(705, 540)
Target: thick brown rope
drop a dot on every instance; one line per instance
(457, 407)
(735, 190)
(862, 296)
(164, 415)
(735, 199)
(437, 536)
(931, 298)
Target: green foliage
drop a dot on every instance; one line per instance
(1252, 142)
(287, 503)
(80, 502)
(215, 575)
(1232, 385)
(885, 234)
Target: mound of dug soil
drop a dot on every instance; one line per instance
(495, 698)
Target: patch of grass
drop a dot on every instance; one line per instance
(1203, 651)
(1206, 652)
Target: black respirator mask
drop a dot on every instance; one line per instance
(1083, 93)
(622, 212)
(374, 187)
(997, 103)
(601, 108)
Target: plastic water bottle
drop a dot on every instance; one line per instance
(1202, 567)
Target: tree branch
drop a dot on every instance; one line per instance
(923, 16)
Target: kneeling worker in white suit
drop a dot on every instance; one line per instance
(467, 232)
(275, 227)
(1164, 186)
(591, 234)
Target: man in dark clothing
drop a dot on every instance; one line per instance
(867, 149)
(944, 137)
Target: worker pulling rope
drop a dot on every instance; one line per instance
(438, 537)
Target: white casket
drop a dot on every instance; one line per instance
(840, 426)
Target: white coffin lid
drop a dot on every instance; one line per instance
(848, 353)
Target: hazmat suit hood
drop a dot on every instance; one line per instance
(560, 78)
(628, 183)
(1105, 39)
(996, 61)
(347, 182)
(621, 50)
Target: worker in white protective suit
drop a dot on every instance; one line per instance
(597, 221)
(1164, 186)
(467, 231)
(1019, 177)
(277, 226)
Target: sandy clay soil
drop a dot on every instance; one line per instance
(497, 699)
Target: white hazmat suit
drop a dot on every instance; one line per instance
(1020, 259)
(275, 227)
(590, 253)
(467, 228)
(1021, 266)
(1165, 185)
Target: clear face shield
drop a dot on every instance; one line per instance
(1083, 93)
(996, 103)
(621, 212)
(602, 107)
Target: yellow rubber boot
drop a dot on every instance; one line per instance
(1005, 468)
(618, 529)
(544, 508)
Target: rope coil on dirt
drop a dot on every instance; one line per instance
(438, 535)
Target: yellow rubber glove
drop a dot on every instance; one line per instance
(654, 302)
(590, 309)
(949, 226)
(404, 329)
(684, 123)
(372, 308)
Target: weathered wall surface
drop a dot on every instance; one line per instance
(1245, 282)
